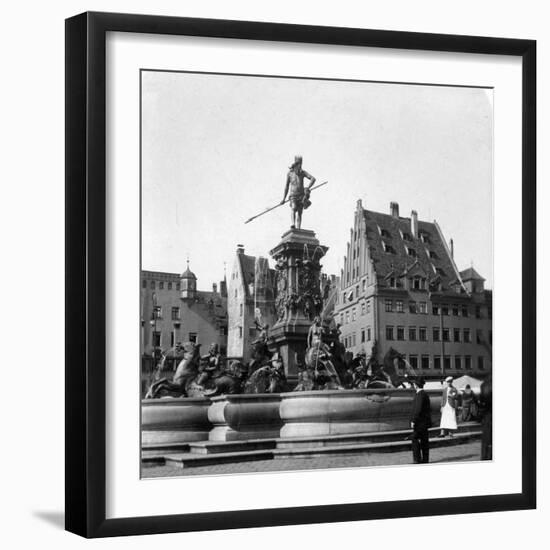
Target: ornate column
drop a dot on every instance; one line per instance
(299, 295)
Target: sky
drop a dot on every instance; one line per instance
(216, 150)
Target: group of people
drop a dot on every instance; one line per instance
(421, 416)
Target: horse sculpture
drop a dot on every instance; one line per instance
(388, 375)
(183, 381)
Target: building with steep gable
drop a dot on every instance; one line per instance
(400, 288)
(251, 298)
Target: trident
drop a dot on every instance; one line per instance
(281, 203)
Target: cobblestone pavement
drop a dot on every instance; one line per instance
(464, 452)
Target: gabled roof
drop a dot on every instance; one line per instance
(247, 265)
(471, 274)
(438, 265)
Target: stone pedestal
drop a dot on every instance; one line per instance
(299, 295)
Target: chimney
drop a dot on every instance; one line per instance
(240, 249)
(414, 224)
(452, 249)
(394, 209)
(223, 288)
(214, 288)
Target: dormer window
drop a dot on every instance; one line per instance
(425, 238)
(440, 271)
(433, 255)
(411, 252)
(385, 233)
(407, 237)
(389, 248)
(417, 283)
(392, 282)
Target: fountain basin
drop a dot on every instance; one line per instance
(334, 412)
(174, 420)
(245, 416)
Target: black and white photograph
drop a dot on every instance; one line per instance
(316, 273)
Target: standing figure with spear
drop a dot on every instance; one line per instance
(299, 196)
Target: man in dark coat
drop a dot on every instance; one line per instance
(421, 421)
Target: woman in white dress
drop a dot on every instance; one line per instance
(448, 408)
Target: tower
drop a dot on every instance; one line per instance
(188, 284)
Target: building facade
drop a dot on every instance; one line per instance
(251, 298)
(400, 288)
(174, 310)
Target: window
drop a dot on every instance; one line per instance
(170, 286)
(446, 335)
(412, 333)
(444, 310)
(425, 362)
(480, 364)
(368, 334)
(417, 283)
(172, 339)
(435, 309)
(362, 335)
(364, 285)
(368, 306)
(412, 307)
(478, 312)
(467, 335)
(178, 286)
(479, 336)
(392, 282)
(353, 339)
(152, 285)
(458, 362)
(433, 255)
(425, 238)
(464, 311)
(363, 307)
(456, 335)
(353, 314)
(347, 317)
(422, 307)
(411, 252)
(389, 248)
(175, 313)
(389, 333)
(440, 271)
(193, 335)
(407, 237)
(437, 362)
(240, 310)
(447, 362)
(422, 334)
(235, 293)
(413, 361)
(436, 334)
(401, 333)
(341, 319)
(456, 311)
(240, 332)
(157, 312)
(389, 305)
(144, 284)
(156, 339)
(399, 306)
(161, 285)
(467, 362)
(385, 233)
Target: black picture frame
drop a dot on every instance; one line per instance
(86, 275)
